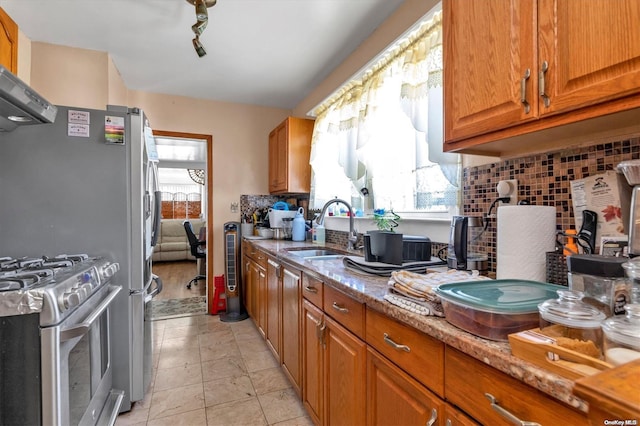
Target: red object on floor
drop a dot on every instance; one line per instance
(219, 300)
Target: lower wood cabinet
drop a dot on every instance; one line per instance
(334, 385)
(291, 323)
(344, 369)
(246, 284)
(312, 368)
(273, 306)
(494, 398)
(352, 365)
(255, 281)
(395, 398)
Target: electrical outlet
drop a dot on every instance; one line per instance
(234, 207)
(508, 188)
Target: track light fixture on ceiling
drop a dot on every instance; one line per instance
(202, 17)
(199, 47)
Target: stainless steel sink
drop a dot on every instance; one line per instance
(317, 254)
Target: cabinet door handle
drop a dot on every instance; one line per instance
(395, 345)
(434, 417)
(311, 289)
(323, 329)
(339, 308)
(318, 331)
(506, 414)
(541, 83)
(523, 91)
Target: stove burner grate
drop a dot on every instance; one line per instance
(19, 281)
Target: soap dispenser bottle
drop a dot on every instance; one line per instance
(298, 231)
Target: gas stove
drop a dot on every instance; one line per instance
(51, 286)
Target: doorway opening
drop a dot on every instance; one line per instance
(184, 174)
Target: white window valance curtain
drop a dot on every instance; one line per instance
(361, 130)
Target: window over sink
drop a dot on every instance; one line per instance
(378, 140)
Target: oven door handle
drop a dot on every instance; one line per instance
(84, 327)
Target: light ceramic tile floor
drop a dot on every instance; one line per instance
(208, 372)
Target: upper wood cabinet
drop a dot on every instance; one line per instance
(8, 42)
(289, 149)
(522, 66)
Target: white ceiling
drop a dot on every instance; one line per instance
(260, 52)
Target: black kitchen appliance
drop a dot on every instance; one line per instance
(395, 249)
(463, 253)
(631, 170)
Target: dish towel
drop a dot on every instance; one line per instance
(415, 292)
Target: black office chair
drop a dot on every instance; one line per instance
(197, 249)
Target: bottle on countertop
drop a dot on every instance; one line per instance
(298, 232)
(318, 235)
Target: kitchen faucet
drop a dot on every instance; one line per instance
(353, 237)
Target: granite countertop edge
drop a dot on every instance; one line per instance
(370, 290)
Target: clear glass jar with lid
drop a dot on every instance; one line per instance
(632, 270)
(572, 323)
(622, 336)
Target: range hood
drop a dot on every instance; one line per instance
(20, 105)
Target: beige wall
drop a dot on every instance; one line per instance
(117, 92)
(24, 57)
(69, 76)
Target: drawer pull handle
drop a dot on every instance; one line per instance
(506, 414)
(311, 289)
(390, 342)
(339, 308)
(434, 417)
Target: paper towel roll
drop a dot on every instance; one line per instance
(525, 234)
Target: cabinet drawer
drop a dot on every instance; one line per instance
(249, 249)
(312, 290)
(468, 381)
(254, 253)
(418, 354)
(345, 310)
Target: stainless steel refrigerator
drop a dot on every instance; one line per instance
(88, 184)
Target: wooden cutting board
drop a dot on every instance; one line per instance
(612, 395)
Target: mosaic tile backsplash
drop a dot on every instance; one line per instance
(543, 179)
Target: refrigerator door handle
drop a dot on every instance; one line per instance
(156, 218)
(158, 289)
(157, 199)
(145, 290)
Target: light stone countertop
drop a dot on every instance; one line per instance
(370, 290)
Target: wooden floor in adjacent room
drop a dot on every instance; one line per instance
(175, 275)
